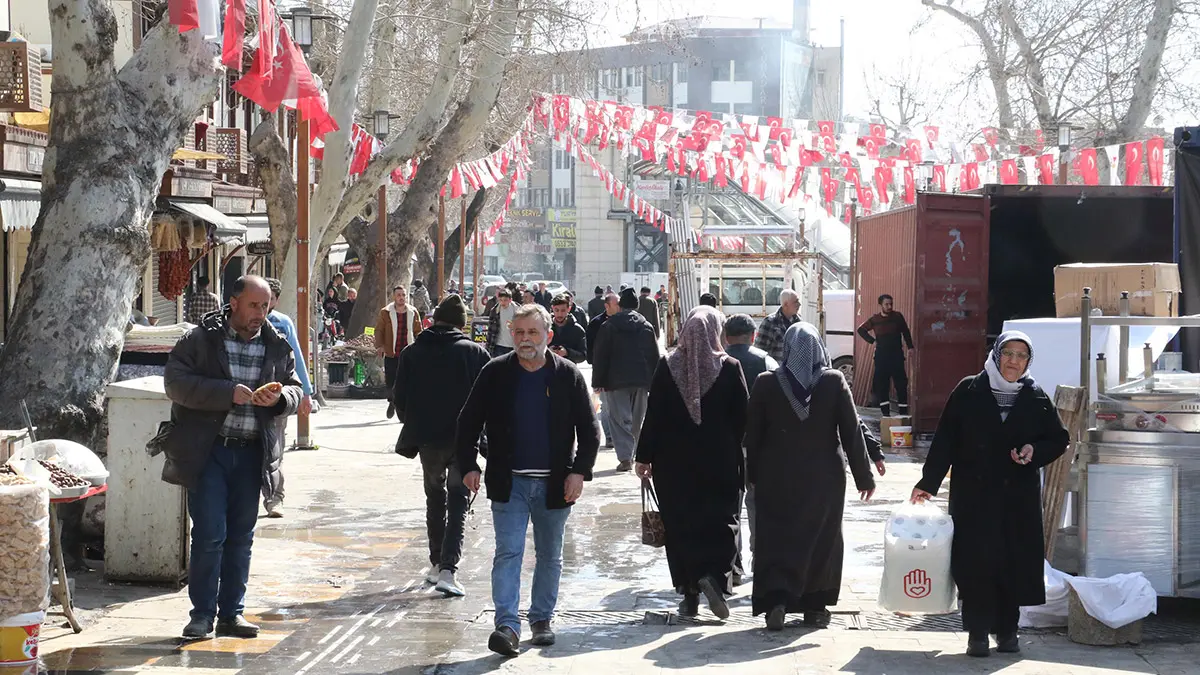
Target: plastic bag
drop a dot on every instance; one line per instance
(916, 561)
(25, 554)
(1117, 600)
(1053, 614)
(72, 456)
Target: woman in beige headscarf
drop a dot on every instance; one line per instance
(691, 445)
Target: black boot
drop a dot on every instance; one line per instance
(978, 647)
(1008, 644)
(885, 408)
(690, 606)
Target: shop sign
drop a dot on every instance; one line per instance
(226, 204)
(562, 235)
(352, 268)
(652, 189)
(260, 248)
(526, 218)
(542, 248)
(561, 216)
(23, 158)
(479, 330)
(190, 187)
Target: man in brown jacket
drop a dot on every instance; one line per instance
(398, 326)
(232, 381)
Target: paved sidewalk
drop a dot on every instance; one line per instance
(337, 587)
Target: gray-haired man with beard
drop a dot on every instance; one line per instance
(534, 470)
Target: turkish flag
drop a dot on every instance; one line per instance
(882, 179)
(1155, 150)
(1008, 172)
(879, 131)
(785, 137)
(775, 124)
(845, 160)
(991, 135)
(1087, 168)
(739, 147)
(981, 153)
(1039, 142)
(233, 43)
(719, 170)
(184, 13)
(852, 176)
(268, 41)
(825, 127)
(970, 177)
(624, 117)
(797, 183)
(1046, 169)
(1134, 155)
(829, 187)
(827, 143)
(913, 150)
(777, 155)
(871, 145)
(291, 79)
(866, 197)
(910, 186)
(560, 106)
(664, 118)
(931, 135)
(939, 177)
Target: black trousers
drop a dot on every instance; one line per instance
(389, 374)
(994, 613)
(889, 371)
(446, 501)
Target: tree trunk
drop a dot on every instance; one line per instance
(110, 143)
(274, 166)
(1149, 71)
(995, 61)
(363, 237)
(418, 211)
(454, 239)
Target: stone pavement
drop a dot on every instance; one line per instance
(337, 587)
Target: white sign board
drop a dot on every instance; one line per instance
(652, 189)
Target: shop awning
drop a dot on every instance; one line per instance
(20, 201)
(337, 254)
(257, 227)
(226, 226)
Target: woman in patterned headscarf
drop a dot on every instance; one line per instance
(997, 429)
(691, 446)
(796, 418)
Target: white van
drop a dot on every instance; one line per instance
(839, 330)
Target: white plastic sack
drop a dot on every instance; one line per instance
(916, 561)
(1053, 614)
(71, 456)
(1118, 600)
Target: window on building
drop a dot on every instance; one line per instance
(656, 73)
(747, 109)
(628, 77)
(562, 159)
(559, 82)
(638, 74)
(820, 78)
(564, 198)
(614, 78)
(681, 72)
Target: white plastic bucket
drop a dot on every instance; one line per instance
(19, 638)
(902, 437)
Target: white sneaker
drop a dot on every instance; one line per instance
(448, 586)
(433, 575)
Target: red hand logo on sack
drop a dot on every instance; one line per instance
(917, 584)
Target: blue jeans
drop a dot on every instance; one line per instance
(511, 520)
(224, 510)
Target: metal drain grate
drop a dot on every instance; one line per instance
(1155, 630)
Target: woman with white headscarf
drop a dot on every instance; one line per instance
(691, 445)
(997, 429)
(799, 416)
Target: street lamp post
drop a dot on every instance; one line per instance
(382, 123)
(1064, 147)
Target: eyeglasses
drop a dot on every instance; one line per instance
(1016, 356)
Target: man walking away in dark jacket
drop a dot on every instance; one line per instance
(595, 306)
(570, 339)
(889, 327)
(230, 381)
(433, 379)
(625, 358)
(542, 296)
(542, 442)
(648, 308)
(739, 338)
(610, 307)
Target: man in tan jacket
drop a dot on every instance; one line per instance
(397, 327)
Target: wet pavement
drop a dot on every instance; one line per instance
(337, 587)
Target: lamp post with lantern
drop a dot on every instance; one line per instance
(381, 121)
(1064, 147)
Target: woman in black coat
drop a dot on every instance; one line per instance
(996, 431)
(691, 444)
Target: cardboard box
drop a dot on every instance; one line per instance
(1153, 288)
(885, 428)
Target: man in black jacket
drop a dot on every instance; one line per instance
(626, 355)
(581, 317)
(434, 376)
(542, 443)
(595, 306)
(609, 307)
(232, 384)
(570, 339)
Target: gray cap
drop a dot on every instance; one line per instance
(739, 325)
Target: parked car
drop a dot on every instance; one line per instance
(489, 279)
(555, 287)
(839, 330)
